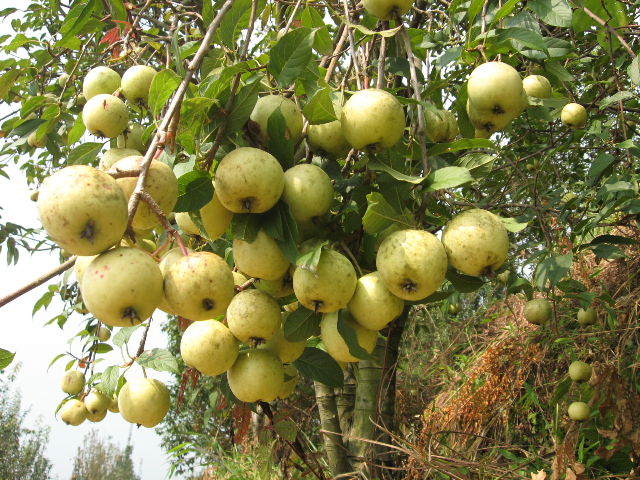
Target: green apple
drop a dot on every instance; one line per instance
(253, 317)
(574, 115)
(209, 347)
(131, 138)
(105, 116)
(112, 155)
(587, 317)
(136, 83)
(580, 371)
(537, 86)
(579, 411)
(373, 306)
(387, 9)
(308, 191)
(35, 143)
(495, 87)
(257, 375)
(265, 106)
(72, 382)
(73, 412)
(144, 401)
(538, 311)
(100, 80)
(261, 258)
(335, 344)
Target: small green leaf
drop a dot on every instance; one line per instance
(478, 164)
(462, 144)
(110, 378)
(301, 324)
(195, 190)
(6, 358)
(245, 226)
(615, 99)
(77, 131)
(162, 87)
(74, 21)
(350, 336)
(448, 177)
(286, 429)
(309, 260)
(290, 55)
(553, 269)
(320, 108)
(553, 12)
(243, 105)
(84, 154)
(280, 143)
(379, 214)
(376, 164)
(7, 81)
(319, 366)
(561, 389)
(512, 225)
(123, 335)
(463, 283)
(158, 359)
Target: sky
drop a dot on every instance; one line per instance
(37, 345)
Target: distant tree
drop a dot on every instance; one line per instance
(21, 449)
(100, 458)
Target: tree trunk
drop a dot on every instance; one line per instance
(334, 447)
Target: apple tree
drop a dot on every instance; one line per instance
(293, 182)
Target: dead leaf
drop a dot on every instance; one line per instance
(541, 475)
(570, 475)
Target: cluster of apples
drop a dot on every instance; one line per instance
(143, 401)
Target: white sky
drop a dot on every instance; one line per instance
(36, 345)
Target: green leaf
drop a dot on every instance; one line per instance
(474, 9)
(524, 36)
(7, 81)
(74, 21)
(77, 131)
(350, 336)
(233, 22)
(6, 358)
(309, 260)
(462, 144)
(379, 214)
(290, 55)
(613, 239)
(562, 74)
(320, 108)
(319, 366)
(512, 225)
(463, 283)
(195, 190)
(608, 251)
(278, 223)
(175, 49)
(553, 269)
(322, 42)
(478, 164)
(243, 105)
(448, 177)
(245, 226)
(368, 31)
(599, 166)
(615, 99)
(505, 10)
(58, 357)
(162, 87)
(553, 12)
(158, 359)
(123, 335)
(634, 71)
(192, 107)
(561, 389)
(376, 164)
(110, 378)
(286, 429)
(84, 154)
(279, 141)
(434, 297)
(301, 324)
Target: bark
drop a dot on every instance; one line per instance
(345, 401)
(334, 447)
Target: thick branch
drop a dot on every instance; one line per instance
(336, 453)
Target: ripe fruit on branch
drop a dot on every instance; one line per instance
(136, 83)
(580, 371)
(122, 287)
(166, 261)
(454, 309)
(253, 317)
(443, 128)
(96, 402)
(80, 266)
(587, 317)
(579, 411)
(487, 121)
(112, 155)
(257, 375)
(162, 186)
(199, 286)
(308, 192)
(476, 242)
(285, 350)
(144, 401)
(289, 385)
(83, 209)
(574, 115)
(72, 382)
(373, 306)
(327, 140)
(538, 311)
(387, 9)
(63, 79)
(209, 347)
(290, 111)
(332, 287)
(534, 166)
(260, 259)
(113, 404)
(215, 218)
(186, 224)
(412, 263)
(373, 120)
(104, 334)
(537, 86)
(495, 87)
(105, 116)
(131, 138)
(335, 344)
(282, 287)
(249, 180)
(35, 143)
(100, 80)
(96, 417)
(74, 412)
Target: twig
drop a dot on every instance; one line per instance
(352, 47)
(38, 281)
(417, 96)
